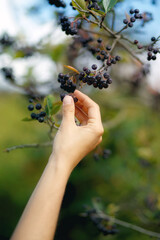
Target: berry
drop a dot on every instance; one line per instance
(154, 58)
(150, 48)
(85, 69)
(130, 24)
(30, 107)
(136, 10)
(42, 114)
(125, 21)
(98, 57)
(99, 40)
(94, 66)
(38, 106)
(40, 119)
(132, 19)
(108, 47)
(131, 11)
(31, 100)
(117, 58)
(33, 115)
(140, 46)
(153, 39)
(135, 41)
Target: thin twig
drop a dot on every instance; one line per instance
(128, 225)
(34, 145)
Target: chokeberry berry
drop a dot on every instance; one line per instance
(33, 115)
(98, 57)
(108, 47)
(31, 100)
(42, 114)
(30, 107)
(94, 66)
(125, 21)
(135, 41)
(38, 106)
(40, 119)
(130, 24)
(153, 39)
(99, 40)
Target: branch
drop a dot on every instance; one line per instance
(128, 225)
(34, 145)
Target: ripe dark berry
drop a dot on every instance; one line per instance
(154, 57)
(149, 54)
(132, 19)
(106, 75)
(108, 47)
(135, 41)
(136, 10)
(150, 48)
(94, 66)
(30, 107)
(42, 114)
(31, 100)
(38, 106)
(125, 21)
(40, 119)
(131, 11)
(85, 69)
(153, 39)
(99, 40)
(98, 57)
(103, 52)
(33, 115)
(130, 24)
(155, 51)
(117, 58)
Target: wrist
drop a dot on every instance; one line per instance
(58, 163)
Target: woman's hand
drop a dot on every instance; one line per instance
(73, 142)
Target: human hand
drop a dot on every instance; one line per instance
(73, 142)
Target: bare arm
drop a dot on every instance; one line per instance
(71, 144)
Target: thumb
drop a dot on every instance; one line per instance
(68, 110)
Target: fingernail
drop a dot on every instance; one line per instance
(67, 100)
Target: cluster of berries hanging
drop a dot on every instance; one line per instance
(100, 224)
(6, 40)
(151, 50)
(130, 21)
(67, 26)
(8, 74)
(39, 115)
(57, 3)
(93, 5)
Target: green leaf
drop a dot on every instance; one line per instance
(48, 101)
(98, 12)
(57, 107)
(81, 4)
(109, 4)
(27, 119)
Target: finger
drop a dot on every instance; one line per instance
(68, 110)
(81, 116)
(92, 108)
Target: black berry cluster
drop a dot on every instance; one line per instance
(100, 223)
(67, 26)
(6, 40)
(8, 73)
(134, 16)
(57, 3)
(95, 78)
(39, 115)
(151, 50)
(62, 95)
(66, 83)
(93, 4)
(105, 154)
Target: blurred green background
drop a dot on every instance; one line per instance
(127, 182)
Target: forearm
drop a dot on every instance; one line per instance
(40, 216)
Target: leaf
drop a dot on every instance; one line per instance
(49, 104)
(109, 4)
(57, 107)
(71, 68)
(98, 12)
(80, 4)
(27, 119)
